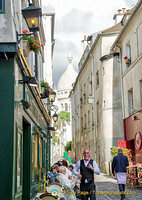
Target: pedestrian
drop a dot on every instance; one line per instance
(68, 172)
(53, 174)
(87, 168)
(70, 167)
(67, 184)
(119, 164)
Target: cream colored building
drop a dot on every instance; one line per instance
(48, 23)
(128, 44)
(98, 126)
(64, 132)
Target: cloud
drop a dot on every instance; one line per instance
(75, 21)
(76, 18)
(60, 62)
(48, 9)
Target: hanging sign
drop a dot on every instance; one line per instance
(2, 6)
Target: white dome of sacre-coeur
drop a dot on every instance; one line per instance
(68, 77)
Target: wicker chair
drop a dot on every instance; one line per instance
(48, 196)
(54, 189)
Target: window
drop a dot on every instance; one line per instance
(33, 157)
(97, 78)
(88, 118)
(2, 6)
(128, 51)
(36, 167)
(97, 106)
(128, 54)
(92, 116)
(66, 107)
(130, 101)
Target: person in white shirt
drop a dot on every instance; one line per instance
(87, 168)
(67, 184)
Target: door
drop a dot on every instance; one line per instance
(27, 166)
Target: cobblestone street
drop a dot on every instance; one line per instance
(106, 185)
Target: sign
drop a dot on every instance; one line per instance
(138, 141)
(121, 144)
(2, 6)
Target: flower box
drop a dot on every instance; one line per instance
(127, 61)
(26, 48)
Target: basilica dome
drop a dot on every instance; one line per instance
(68, 77)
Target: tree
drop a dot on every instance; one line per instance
(68, 146)
(64, 116)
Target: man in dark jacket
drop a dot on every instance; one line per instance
(119, 164)
(87, 168)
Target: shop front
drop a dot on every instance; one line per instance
(25, 145)
(133, 135)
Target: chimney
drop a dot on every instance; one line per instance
(119, 11)
(123, 10)
(84, 43)
(118, 16)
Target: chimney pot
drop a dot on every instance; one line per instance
(84, 37)
(119, 11)
(123, 10)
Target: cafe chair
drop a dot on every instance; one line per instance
(54, 188)
(48, 196)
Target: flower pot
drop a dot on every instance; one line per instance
(46, 93)
(127, 61)
(26, 48)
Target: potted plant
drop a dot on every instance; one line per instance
(84, 129)
(127, 60)
(46, 89)
(33, 44)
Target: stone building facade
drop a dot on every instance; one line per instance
(99, 125)
(128, 44)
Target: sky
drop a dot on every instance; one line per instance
(73, 20)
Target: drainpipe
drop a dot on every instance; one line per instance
(92, 69)
(121, 81)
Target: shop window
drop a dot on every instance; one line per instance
(130, 101)
(2, 6)
(19, 159)
(36, 167)
(33, 157)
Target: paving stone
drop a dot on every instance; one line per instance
(109, 186)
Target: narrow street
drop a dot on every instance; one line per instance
(107, 188)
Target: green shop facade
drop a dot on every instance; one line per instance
(24, 136)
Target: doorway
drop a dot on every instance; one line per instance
(26, 186)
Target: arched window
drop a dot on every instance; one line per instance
(66, 107)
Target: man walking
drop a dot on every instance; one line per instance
(87, 168)
(119, 164)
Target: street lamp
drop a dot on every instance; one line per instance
(52, 96)
(55, 117)
(32, 16)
